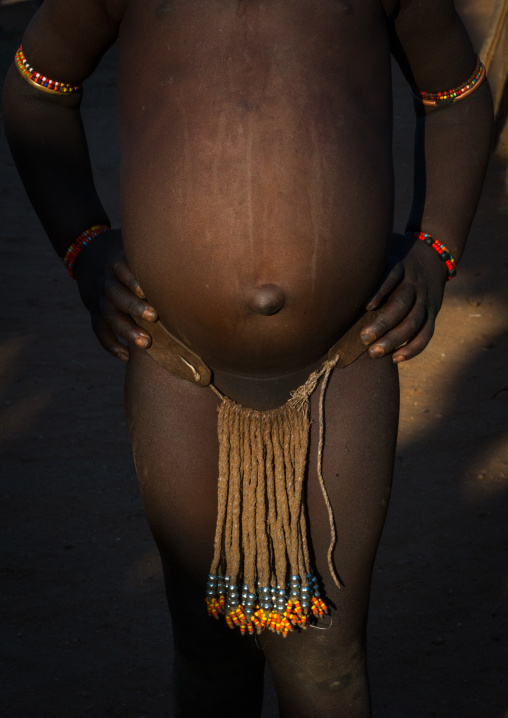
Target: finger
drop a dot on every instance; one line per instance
(397, 308)
(392, 280)
(124, 275)
(124, 300)
(404, 332)
(108, 340)
(417, 344)
(123, 326)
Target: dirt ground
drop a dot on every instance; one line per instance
(85, 628)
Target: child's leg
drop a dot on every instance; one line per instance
(173, 427)
(323, 672)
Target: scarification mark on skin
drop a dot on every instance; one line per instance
(242, 7)
(345, 6)
(219, 144)
(344, 682)
(316, 190)
(250, 212)
(164, 8)
(246, 105)
(187, 159)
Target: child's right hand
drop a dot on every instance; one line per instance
(111, 293)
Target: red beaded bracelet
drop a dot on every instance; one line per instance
(443, 252)
(74, 250)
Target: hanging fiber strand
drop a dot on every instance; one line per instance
(261, 576)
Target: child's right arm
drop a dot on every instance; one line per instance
(65, 42)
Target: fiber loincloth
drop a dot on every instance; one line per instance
(261, 574)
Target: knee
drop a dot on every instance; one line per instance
(346, 676)
(327, 680)
(334, 671)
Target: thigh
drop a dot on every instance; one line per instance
(361, 416)
(173, 428)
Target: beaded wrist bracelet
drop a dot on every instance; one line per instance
(74, 250)
(444, 253)
(38, 80)
(436, 99)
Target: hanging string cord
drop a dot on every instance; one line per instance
(329, 366)
(298, 398)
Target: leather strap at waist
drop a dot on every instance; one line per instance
(171, 354)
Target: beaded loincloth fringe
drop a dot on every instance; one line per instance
(261, 575)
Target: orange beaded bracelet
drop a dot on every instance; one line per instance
(74, 250)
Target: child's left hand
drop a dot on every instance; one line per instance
(411, 293)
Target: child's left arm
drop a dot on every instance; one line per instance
(452, 147)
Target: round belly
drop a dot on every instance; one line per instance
(259, 234)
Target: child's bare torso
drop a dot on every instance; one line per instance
(256, 171)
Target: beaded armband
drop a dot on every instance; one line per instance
(444, 253)
(74, 250)
(39, 81)
(438, 99)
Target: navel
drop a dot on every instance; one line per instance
(266, 299)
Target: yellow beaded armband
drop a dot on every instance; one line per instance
(39, 81)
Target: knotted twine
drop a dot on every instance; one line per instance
(261, 574)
